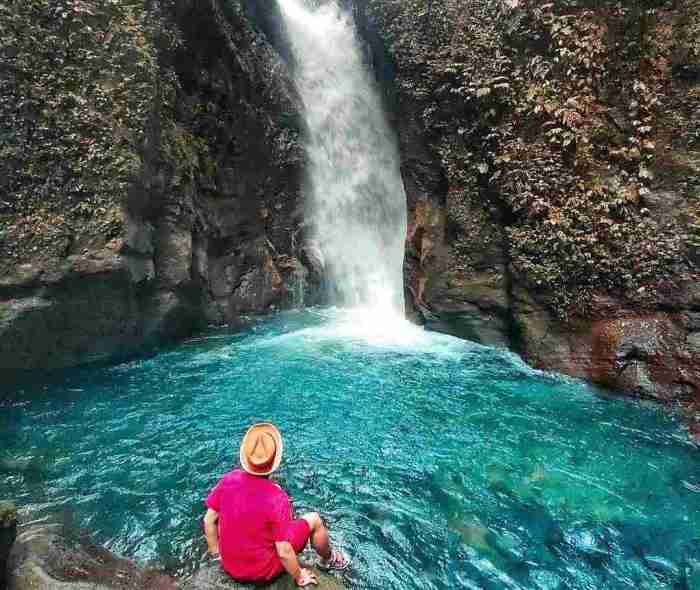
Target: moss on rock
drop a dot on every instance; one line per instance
(554, 116)
(8, 514)
(79, 79)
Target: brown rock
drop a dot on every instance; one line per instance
(458, 286)
(473, 306)
(647, 355)
(638, 354)
(542, 340)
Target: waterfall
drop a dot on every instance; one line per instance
(354, 188)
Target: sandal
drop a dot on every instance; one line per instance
(336, 562)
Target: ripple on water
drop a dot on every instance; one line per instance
(439, 463)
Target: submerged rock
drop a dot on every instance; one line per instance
(589, 545)
(475, 535)
(31, 468)
(503, 552)
(662, 566)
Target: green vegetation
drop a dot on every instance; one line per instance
(79, 81)
(559, 114)
(563, 117)
(77, 84)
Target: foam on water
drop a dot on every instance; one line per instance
(367, 329)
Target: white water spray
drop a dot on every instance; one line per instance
(355, 190)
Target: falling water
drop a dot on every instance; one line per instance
(355, 191)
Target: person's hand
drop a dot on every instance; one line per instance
(306, 578)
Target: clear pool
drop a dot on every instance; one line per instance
(439, 463)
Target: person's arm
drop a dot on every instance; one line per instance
(211, 531)
(290, 561)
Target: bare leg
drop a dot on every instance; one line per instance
(319, 534)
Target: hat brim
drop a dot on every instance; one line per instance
(271, 429)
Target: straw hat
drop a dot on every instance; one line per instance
(261, 449)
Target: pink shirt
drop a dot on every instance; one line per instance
(254, 513)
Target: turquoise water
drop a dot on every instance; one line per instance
(438, 463)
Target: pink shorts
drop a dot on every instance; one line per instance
(298, 534)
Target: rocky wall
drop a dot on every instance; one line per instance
(152, 182)
(153, 172)
(549, 154)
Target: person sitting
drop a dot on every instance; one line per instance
(249, 523)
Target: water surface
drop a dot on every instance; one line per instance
(439, 463)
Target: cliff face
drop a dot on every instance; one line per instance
(551, 158)
(150, 180)
(151, 177)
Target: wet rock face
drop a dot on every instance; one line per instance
(505, 244)
(689, 72)
(208, 229)
(246, 215)
(88, 309)
(652, 355)
(44, 558)
(455, 262)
